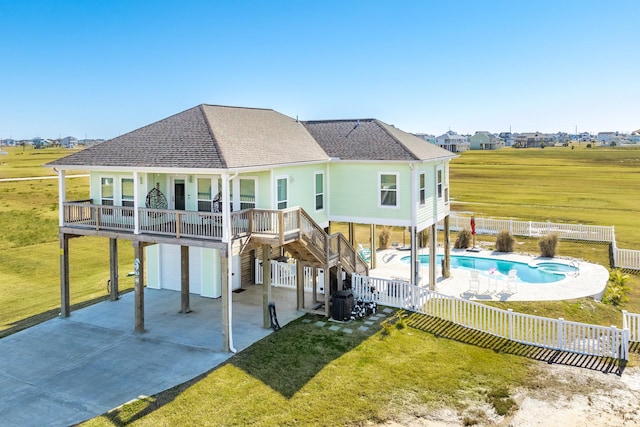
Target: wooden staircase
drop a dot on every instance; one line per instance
(295, 231)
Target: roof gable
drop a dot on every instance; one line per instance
(257, 137)
(181, 140)
(370, 139)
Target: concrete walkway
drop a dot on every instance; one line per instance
(65, 371)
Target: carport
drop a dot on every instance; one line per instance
(67, 370)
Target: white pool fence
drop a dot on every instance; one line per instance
(556, 334)
(622, 258)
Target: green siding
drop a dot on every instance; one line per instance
(354, 192)
(302, 190)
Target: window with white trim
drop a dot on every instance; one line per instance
(126, 184)
(282, 193)
(319, 191)
(205, 195)
(439, 183)
(106, 191)
(247, 193)
(423, 188)
(388, 189)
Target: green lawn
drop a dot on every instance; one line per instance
(304, 377)
(589, 186)
(29, 246)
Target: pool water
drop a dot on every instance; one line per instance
(545, 272)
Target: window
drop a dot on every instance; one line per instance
(247, 193)
(127, 195)
(282, 193)
(319, 191)
(388, 189)
(106, 193)
(439, 184)
(423, 188)
(204, 195)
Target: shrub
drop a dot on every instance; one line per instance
(463, 240)
(505, 241)
(617, 290)
(548, 245)
(384, 237)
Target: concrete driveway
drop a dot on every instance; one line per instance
(65, 371)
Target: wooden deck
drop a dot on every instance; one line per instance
(206, 229)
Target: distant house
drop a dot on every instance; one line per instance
(561, 137)
(608, 137)
(584, 136)
(38, 142)
(508, 138)
(207, 192)
(453, 142)
(483, 140)
(635, 136)
(426, 137)
(533, 139)
(69, 142)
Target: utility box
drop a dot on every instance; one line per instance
(342, 305)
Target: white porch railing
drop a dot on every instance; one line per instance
(284, 274)
(556, 334)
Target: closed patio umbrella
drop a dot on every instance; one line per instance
(473, 230)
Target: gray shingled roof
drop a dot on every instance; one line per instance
(371, 139)
(206, 136)
(218, 137)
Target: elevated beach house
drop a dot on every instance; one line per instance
(205, 193)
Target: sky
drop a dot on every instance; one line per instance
(101, 68)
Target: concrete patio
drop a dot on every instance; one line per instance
(64, 371)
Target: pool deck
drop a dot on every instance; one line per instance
(590, 281)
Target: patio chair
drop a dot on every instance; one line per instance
(511, 282)
(365, 253)
(474, 282)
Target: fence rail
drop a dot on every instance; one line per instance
(622, 258)
(594, 233)
(631, 321)
(556, 334)
(284, 274)
(626, 258)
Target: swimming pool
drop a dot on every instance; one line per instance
(544, 272)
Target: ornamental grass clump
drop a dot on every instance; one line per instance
(617, 290)
(505, 241)
(385, 237)
(463, 240)
(548, 245)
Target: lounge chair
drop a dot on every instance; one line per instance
(511, 282)
(365, 253)
(474, 282)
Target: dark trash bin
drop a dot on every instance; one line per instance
(342, 305)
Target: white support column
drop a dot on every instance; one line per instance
(136, 200)
(432, 256)
(226, 238)
(62, 196)
(415, 260)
